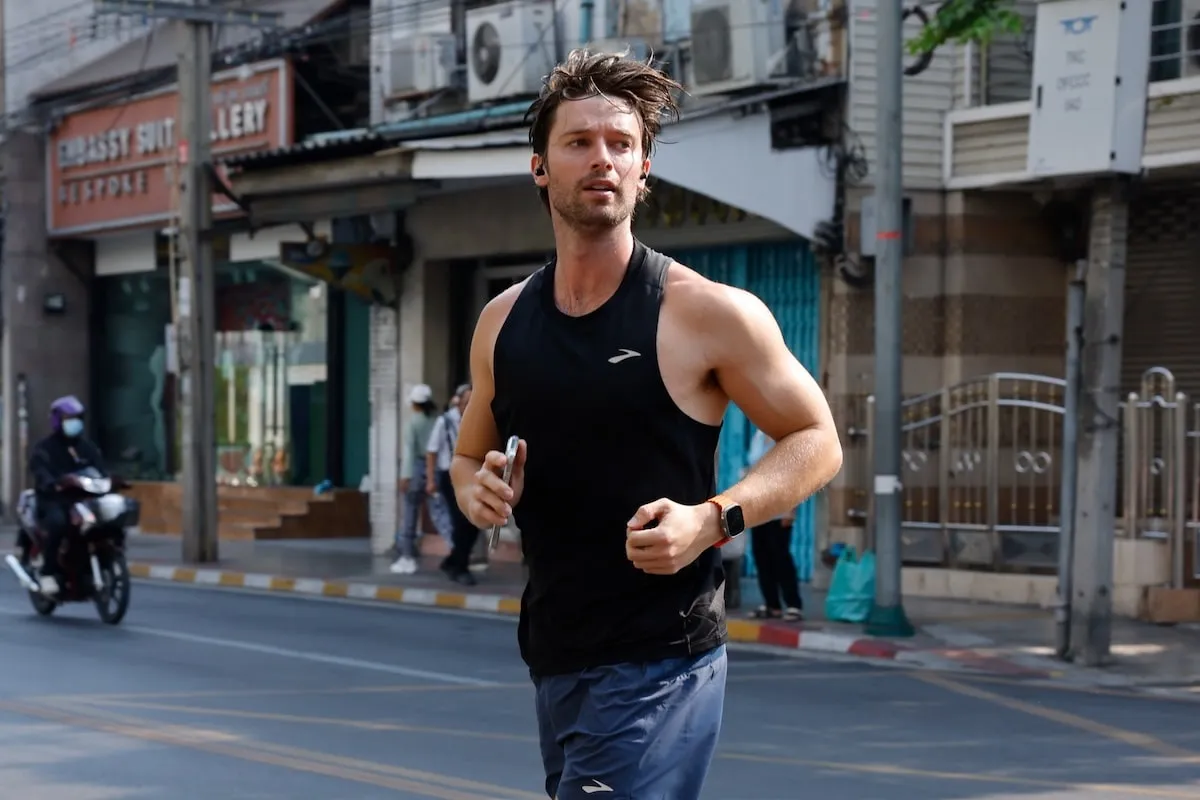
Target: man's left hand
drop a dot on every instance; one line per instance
(663, 537)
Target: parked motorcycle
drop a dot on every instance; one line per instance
(92, 556)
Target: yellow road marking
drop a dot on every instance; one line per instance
(308, 720)
(510, 605)
(380, 775)
(335, 589)
(442, 787)
(394, 594)
(1132, 738)
(974, 777)
(1103, 691)
(183, 695)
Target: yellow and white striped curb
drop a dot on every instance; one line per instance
(739, 631)
(494, 603)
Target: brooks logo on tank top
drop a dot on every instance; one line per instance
(604, 438)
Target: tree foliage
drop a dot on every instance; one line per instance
(962, 21)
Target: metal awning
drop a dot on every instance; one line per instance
(727, 157)
(305, 192)
(724, 153)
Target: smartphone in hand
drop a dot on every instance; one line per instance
(510, 456)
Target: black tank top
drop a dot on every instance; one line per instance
(604, 438)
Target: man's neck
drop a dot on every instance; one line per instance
(589, 266)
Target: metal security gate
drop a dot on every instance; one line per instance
(982, 467)
(982, 472)
(786, 278)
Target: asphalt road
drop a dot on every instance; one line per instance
(215, 694)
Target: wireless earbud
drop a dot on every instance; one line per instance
(643, 177)
(540, 171)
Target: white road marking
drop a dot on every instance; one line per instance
(305, 655)
(301, 655)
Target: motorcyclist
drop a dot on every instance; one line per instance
(64, 451)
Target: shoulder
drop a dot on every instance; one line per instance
(496, 311)
(713, 307)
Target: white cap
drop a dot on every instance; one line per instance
(420, 394)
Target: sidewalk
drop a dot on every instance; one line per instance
(996, 639)
(345, 568)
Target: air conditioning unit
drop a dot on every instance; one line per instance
(510, 49)
(423, 63)
(736, 44)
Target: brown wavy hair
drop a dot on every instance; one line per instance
(649, 91)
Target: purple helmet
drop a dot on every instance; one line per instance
(65, 407)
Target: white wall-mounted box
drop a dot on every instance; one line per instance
(1091, 65)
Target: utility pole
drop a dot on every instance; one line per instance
(196, 291)
(1099, 434)
(1069, 493)
(887, 616)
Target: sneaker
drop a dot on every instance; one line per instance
(49, 585)
(404, 565)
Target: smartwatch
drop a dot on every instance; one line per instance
(732, 521)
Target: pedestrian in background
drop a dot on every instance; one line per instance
(771, 546)
(413, 480)
(439, 453)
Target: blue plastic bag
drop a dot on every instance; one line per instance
(852, 590)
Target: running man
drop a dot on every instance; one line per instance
(615, 366)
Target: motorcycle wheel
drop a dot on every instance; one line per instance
(43, 605)
(113, 601)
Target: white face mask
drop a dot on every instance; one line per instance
(72, 427)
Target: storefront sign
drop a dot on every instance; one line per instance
(116, 166)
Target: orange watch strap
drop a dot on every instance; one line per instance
(722, 502)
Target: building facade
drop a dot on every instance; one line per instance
(448, 152)
(994, 247)
(91, 280)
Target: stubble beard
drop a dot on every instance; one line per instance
(581, 215)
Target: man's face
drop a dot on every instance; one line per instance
(463, 399)
(593, 163)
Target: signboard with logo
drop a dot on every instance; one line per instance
(115, 167)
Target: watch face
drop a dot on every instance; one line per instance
(735, 523)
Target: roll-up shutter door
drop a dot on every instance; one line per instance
(1162, 288)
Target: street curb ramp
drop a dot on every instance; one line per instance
(780, 635)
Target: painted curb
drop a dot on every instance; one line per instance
(779, 635)
(339, 589)
(775, 635)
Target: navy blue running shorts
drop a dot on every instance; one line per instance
(632, 731)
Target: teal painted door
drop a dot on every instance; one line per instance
(785, 277)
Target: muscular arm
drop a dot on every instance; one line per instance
(477, 433)
(758, 373)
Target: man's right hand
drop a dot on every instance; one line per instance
(491, 501)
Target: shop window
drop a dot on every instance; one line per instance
(133, 394)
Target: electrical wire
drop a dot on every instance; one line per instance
(329, 32)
